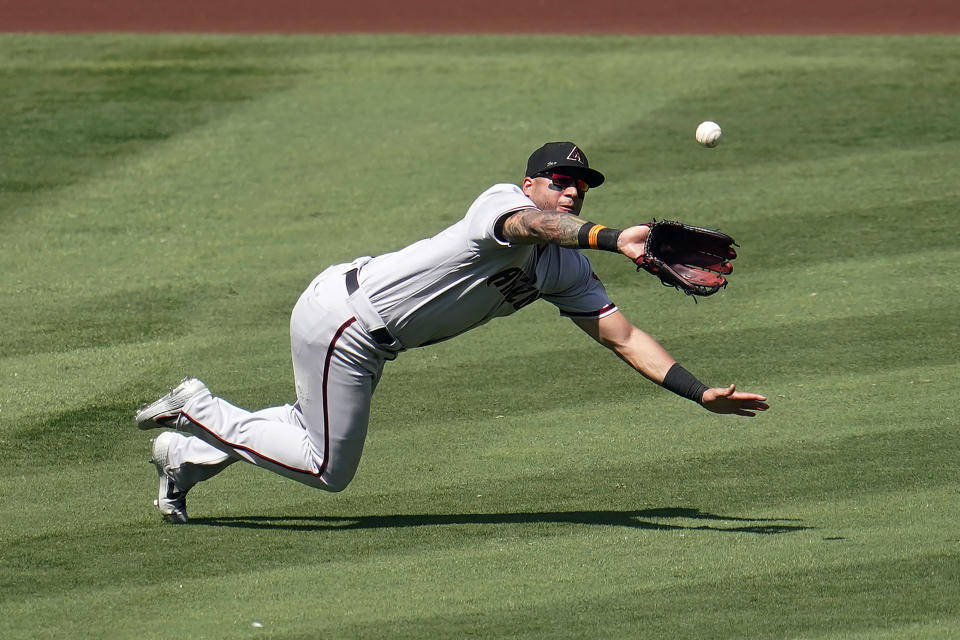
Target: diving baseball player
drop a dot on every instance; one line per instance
(514, 246)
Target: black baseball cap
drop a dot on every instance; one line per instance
(563, 157)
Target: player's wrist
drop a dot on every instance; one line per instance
(597, 236)
(684, 384)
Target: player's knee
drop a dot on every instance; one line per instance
(337, 479)
(340, 469)
(335, 487)
(324, 483)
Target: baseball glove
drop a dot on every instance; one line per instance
(692, 259)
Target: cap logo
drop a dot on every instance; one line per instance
(576, 156)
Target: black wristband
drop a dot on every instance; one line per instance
(683, 383)
(597, 236)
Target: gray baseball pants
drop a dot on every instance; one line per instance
(318, 441)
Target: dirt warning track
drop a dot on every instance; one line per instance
(491, 16)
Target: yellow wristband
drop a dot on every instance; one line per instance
(592, 237)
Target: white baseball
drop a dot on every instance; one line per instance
(708, 134)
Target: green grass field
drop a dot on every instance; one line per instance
(163, 201)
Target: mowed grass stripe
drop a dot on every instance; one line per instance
(522, 589)
(116, 107)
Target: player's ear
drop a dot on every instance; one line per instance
(526, 185)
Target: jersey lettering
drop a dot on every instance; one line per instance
(515, 287)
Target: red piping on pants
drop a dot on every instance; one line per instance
(326, 416)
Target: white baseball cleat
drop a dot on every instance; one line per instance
(169, 406)
(171, 501)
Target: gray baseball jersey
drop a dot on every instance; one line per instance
(356, 316)
(465, 275)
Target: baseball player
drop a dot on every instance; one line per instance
(514, 246)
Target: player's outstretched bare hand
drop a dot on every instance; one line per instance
(729, 400)
(632, 241)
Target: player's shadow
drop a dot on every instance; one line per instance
(664, 519)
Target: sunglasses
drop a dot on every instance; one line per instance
(561, 182)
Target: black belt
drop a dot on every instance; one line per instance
(381, 335)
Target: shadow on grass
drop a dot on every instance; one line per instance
(637, 519)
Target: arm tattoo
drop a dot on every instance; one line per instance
(532, 226)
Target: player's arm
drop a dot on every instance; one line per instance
(632, 345)
(533, 226)
(649, 358)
